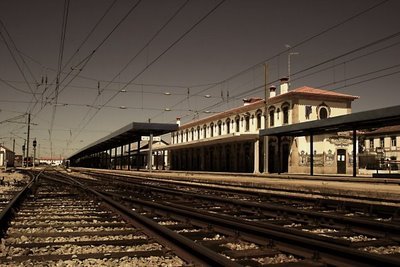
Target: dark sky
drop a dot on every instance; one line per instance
(160, 59)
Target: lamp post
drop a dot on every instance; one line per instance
(23, 154)
(27, 141)
(34, 152)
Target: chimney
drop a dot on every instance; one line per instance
(284, 85)
(246, 101)
(178, 121)
(272, 91)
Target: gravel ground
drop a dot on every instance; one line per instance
(383, 250)
(31, 239)
(11, 181)
(122, 262)
(240, 245)
(280, 258)
(74, 249)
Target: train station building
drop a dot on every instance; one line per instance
(6, 157)
(230, 141)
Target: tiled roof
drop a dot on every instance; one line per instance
(315, 91)
(306, 91)
(384, 130)
(238, 110)
(301, 91)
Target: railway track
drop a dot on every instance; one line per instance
(310, 238)
(62, 223)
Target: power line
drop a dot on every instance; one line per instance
(294, 46)
(160, 55)
(83, 41)
(7, 43)
(82, 64)
(135, 56)
(60, 59)
(347, 61)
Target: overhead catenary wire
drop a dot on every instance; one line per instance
(160, 55)
(9, 42)
(82, 64)
(306, 40)
(77, 50)
(174, 15)
(60, 59)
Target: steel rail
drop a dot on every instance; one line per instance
(7, 213)
(376, 225)
(199, 253)
(344, 253)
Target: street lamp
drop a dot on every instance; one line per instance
(34, 152)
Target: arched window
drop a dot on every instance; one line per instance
(204, 131)
(219, 127)
(212, 129)
(192, 134)
(271, 113)
(285, 111)
(258, 116)
(323, 111)
(237, 122)
(247, 122)
(228, 126)
(198, 132)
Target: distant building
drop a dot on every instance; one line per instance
(381, 146)
(229, 141)
(7, 157)
(51, 161)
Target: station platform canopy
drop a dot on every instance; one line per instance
(131, 133)
(366, 120)
(370, 119)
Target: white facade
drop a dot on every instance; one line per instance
(229, 140)
(6, 157)
(49, 161)
(381, 148)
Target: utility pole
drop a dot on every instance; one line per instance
(23, 154)
(27, 139)
(266, 141)
(34, 152)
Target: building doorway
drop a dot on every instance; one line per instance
(341, 161)
(271, 159)
(285, 157)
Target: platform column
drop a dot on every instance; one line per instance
(354, 153)
(109, 158)
(279, 161)
(138, 154)
(129, 156)
(311, 154)
(256, 156)
(115, 158)
(163, 160)
(121, 157)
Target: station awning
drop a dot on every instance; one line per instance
(129, 134)
(227, 138)
(370, 119)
